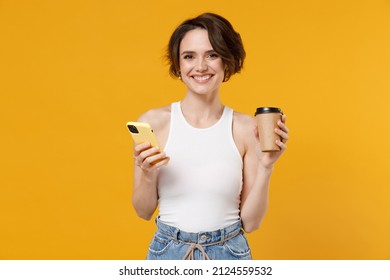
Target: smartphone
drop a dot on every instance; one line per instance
(142, 132)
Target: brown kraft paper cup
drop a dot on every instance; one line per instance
(267, 120)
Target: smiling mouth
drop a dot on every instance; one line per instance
(202, 78)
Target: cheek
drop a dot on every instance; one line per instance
(185, 64)
(218, 65)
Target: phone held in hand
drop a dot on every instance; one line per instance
(142, 132)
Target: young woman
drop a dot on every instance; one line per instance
(211, 182)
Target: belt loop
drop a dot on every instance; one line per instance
(222, 235)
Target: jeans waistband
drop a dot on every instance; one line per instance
(201, 238)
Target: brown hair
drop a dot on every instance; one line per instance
(225, 41)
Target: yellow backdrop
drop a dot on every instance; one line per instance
(72, 73)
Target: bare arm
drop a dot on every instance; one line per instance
(258, 167)
(145, 179)
(147, 162)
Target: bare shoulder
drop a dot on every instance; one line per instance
(243, 131)
(157, 117)
(243, 122)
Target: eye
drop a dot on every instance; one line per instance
(213, 55)
(188, 57)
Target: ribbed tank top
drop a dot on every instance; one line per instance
(199, 189)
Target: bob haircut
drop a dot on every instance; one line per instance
(225, 41)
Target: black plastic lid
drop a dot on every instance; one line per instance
(265, 110)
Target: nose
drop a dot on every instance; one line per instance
(201, 65)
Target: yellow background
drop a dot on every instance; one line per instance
(72, 73)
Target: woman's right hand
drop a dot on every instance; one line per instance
(149, 158)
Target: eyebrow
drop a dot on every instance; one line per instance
(192, 52)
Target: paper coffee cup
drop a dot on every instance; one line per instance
(267, 120)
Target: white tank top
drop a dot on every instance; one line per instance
(199, 189)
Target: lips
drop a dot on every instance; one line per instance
(202, 78)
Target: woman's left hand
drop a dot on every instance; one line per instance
(267, 159)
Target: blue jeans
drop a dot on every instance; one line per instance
(170, 243)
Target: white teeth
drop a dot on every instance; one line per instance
(202, 78)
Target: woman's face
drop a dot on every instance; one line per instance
(201, 68)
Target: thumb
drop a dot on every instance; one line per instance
(256, 133)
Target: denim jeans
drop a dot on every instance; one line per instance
(171, 243)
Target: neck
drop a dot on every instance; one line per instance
(202, 111)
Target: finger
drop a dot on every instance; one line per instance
(148, 152)
(161, 163)
(154, 159)
(283, 126)
(282, 134)
(156, 166)
(140, 158)
(141, 147)
(284, 118)
(282, 145)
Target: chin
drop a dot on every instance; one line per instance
(204, 91)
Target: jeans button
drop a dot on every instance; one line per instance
(203, 238)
